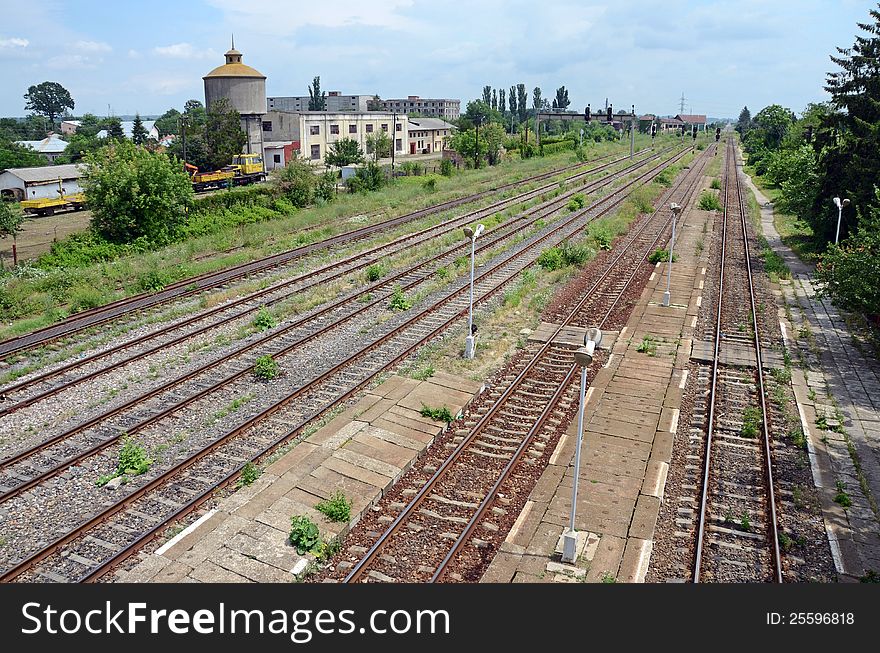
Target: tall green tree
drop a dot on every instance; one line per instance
(379, 145)
(49, 99)
(848, 142)
(134, 193)
(537, 105)
(744, 122)
(223, 134)
(512, 99)
(495, 98)
(521, 99)
(344, 152)
(114, 129)
(167, 123)
(11, 219)
(139, 133)
(487, 94)
(502, 101)
(317, 98)
(561, 100)
(374, 104)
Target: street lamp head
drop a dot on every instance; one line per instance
(480, 228)
(468, 232)
(846, 202)
(676, 209)
(594, 335)
(582, 357)
(836, 201)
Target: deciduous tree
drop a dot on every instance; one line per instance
(344, 152)
(317, 98)
(521, 99)
(49, 99)
(223, 134)
(536, 98)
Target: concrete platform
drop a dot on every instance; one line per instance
(362, 452)
(631, 417)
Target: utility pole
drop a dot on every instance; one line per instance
(477, 148)
(681, 109)
(393, 139)
(632, 132)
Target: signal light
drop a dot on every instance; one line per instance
(609, 113)
(587, 113)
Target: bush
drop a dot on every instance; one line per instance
(576, 202)
(437, 414)
(564, 255)
(375, 272)
(551, 259)
(84, 298)
(447, 167)
(154, 280)
(399, 301)
(266, 368)
(709, 201)
(368, 177)
(264, 320)
(716, 183)
(304, 534)
(132, 459)
(661, 256)
(296, 182)
(249, 474)
(430, 184)
(601, 235)
(337, 508)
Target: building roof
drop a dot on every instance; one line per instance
(52, 144)
(234, 70)
(128, 128)
(429, 123)
(671, 121)
(693, 119)
(46, 173)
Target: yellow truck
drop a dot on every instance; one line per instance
(48, 205)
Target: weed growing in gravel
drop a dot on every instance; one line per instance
(337, 508)
(576, 202)
(264, 320)
(648, 345)
(375, 272)
(785, 541)
(709, 201)
(716, 184)
(781, 375)
(608, 578)
(661, 256)
(442, 273)
(424, 374)
(842, 497)
(266, 368)
(249, 474)
(399, 301)
(751, 422)
(437, 414)
(745, 522)
(233, 406)
(133, 461)
(304, 534)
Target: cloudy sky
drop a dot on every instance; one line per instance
(127, 57)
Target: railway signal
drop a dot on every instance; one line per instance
(653, 133)
(717, 134)
(609, 112)
(587, 114)
(470, 341)
(694, 132)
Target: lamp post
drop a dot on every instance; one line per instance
(676, 209)
(840, 206)
(469, 346)
(582, 357)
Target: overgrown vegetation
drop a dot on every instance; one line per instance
(264, 320)
(399, 301)
(133, 461)
(304, 534)
(337, 508)
(709, 201)
(563, 255)
(751, 422)
(266, 368)
(437, 414)
(661, 256)
(249, 473)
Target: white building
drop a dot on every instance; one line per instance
(40, 183)
(428, 135)
(128, 128)
(50, 147)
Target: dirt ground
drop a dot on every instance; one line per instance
(38, 233)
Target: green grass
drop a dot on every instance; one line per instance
(437, 414)
(337, 508)
(266, 368)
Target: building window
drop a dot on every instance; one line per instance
(314, 130)
(384, 126)
(316, 152)
(352, 129)
(276, 158)
(267, 125)
(334, 129)
(398, 145)
(370, 128)
(398, 127)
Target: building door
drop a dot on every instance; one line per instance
(412, 148)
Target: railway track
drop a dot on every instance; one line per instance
(86, 550)
(47, 384)
(736, 523)
(211, 280)
(451, 527)
(53, 456)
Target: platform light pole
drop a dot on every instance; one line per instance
(582, 357)
(676, 209)
(469, 346)
(841, 204)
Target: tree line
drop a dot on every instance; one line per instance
(831, 150)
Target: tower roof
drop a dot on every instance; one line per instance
(233, 67)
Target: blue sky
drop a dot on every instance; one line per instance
(147, 57)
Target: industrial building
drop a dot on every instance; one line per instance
(40, 183)
(335, 102)
(245, 88)
(312, 132)
(427, 135)
(446, 108)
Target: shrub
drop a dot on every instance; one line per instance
(84, 298)
(575, 254)
(437, 414)
(716, 183)
(266, 368)
(661, 256)
(249, 474)
(601, 235)
(551, 259)
(375, 272)
(264, 320)
(447, 168)
(430, 184)
(337, 508)
(132, 459)
(154, 280)
(368, 177)
(399, 301)
(442, 273)
(304, 534)
(296, 182)
(709, 201)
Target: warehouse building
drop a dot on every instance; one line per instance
(40, 183)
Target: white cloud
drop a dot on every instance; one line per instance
(184, 51)
(134, 54)
(92, 46)
(72, 62)
(276, 16)
(14, 43)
